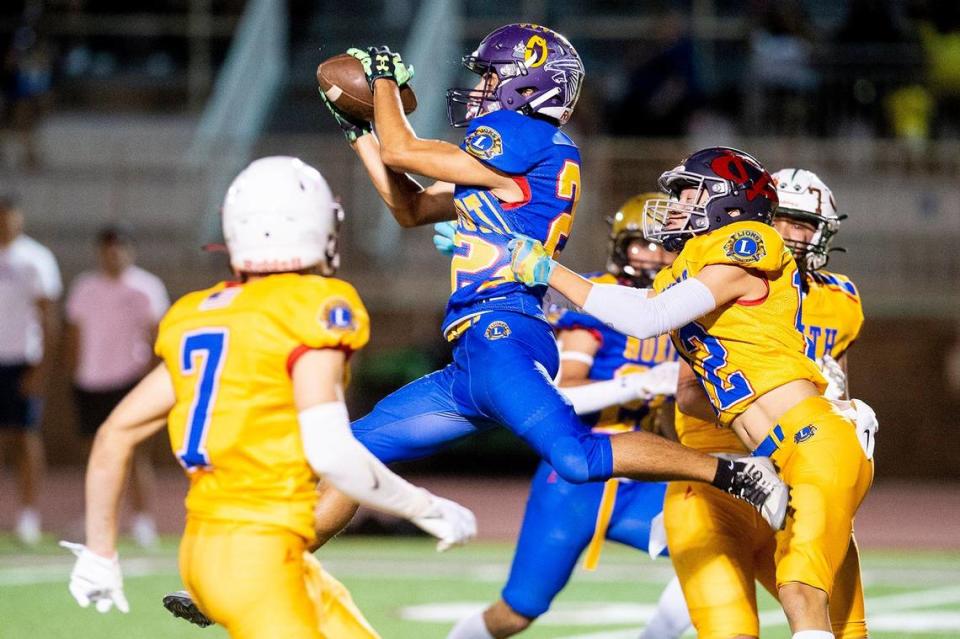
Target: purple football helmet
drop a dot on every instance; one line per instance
(732, 186)
(537, 71)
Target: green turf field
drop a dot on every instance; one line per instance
(410, 592)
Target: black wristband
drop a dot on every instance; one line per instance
(726, 475)
(377, 70)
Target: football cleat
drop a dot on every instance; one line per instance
(181, 605)
(755, 481)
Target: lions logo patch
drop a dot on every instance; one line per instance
(337, 316)
(497, 330)
(744, 247)
(484, 143)
(804, 434)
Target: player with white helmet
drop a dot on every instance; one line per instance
(804, 197)
(251, 389)
(280, 215)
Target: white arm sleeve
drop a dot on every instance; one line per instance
(630, 311)
(589, 398)
(645, 385)
(334, 453)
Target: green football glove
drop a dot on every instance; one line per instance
(352, 129)
(530, 262)
(381, 62)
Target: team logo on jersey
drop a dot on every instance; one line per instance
(219, 299)
(745, 246)
(497, 330)
(337, 316)
(804, 434)
(484, 143)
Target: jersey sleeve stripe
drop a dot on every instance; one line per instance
(295, 355)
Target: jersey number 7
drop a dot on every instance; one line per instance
(202, 352)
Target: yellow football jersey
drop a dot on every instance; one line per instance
(832, 314)
(229, 350)
(743, 349)
(832, 317)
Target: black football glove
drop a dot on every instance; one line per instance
(381, 62)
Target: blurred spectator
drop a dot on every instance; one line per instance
(28, 80)
(29, 286)
(664, 90)
(112, 317)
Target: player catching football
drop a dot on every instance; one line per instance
(731, 302)
(514, 173)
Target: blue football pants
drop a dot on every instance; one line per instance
(558, 525)
(501, 374)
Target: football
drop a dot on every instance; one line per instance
(342, 80)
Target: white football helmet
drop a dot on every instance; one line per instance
(804, 196)
(279, 215)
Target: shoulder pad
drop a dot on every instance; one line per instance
(836, 280)
(749, 244)
(323, 313)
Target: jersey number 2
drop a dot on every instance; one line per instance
(202, 352)
(727, 392)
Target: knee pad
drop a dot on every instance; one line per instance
(582, 459)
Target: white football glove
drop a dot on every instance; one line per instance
(659, 380)
(96, 579)
(448, 521)
(836, 380)
(866, 421)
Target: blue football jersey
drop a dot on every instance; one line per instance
(618, 355)
(546, 164)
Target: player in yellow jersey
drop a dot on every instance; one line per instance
(717, 547)
(731, 302)
(251, 388)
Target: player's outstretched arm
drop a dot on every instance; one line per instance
(638, 312)
(96, 574)
(402, 150)
(578, 347)
(334, 453)
(138, 415)
(410, 203)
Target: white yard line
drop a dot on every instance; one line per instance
(893, 613)
(60, 572)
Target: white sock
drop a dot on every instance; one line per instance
(813, 634)
(471, 627)
(671, 618)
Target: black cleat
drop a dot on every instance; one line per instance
(180, 604)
